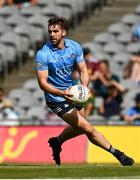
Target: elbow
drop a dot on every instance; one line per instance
(42, 86)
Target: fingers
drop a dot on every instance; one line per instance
(67, 92)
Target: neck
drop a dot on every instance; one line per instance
(61, 45)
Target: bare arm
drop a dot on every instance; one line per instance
(128, 118)
(98, 76)
(101, 109)
(118, 85)
(84, 76)
(42, 77)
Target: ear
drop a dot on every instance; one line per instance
(64, 33)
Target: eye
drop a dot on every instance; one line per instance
(49, 32)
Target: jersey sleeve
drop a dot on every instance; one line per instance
(41, 63)
(79, 53)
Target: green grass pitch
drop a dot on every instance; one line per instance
(26, 171)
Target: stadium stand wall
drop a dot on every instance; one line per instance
(28, 144)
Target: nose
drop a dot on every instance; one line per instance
(51, 34)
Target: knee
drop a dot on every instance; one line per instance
(87, 128)
(90, 131)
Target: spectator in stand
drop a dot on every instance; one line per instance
(3, 100)
(112, 103)
(91, 61)
(136, 33)
(92, 65)
(132, 69)
(133, 114)
(103, 78)
(7, 110)
(9, 113)
(21, 3)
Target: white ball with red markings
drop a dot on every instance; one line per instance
(80, 93)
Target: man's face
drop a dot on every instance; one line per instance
(56, 34)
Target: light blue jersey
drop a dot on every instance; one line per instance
(60, 64)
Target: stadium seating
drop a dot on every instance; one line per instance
(24, 29)
(94, 47)
(28, 24)
(103, 38)
(121, 58)
(113, 48)
(130, 19)
(118, 28)
(124, 38)
(133, 48)
(7, 11)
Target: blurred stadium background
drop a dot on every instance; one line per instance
(104, 26)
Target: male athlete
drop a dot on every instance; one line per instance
(55, 63)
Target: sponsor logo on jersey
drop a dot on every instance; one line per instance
(64, 71)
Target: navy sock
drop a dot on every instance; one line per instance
(114, 151)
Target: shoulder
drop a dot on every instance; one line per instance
(44, 49)
(72, 43)
(43, 52)
(76, 48)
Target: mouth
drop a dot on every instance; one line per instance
(53, 39)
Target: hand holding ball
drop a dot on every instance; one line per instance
(80, 93)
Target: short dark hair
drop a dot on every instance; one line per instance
(86, 51)
(60, 21)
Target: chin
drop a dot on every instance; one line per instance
(54, 43)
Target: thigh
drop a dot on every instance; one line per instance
(76, 119)
(82, 112)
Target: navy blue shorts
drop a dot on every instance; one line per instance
(60, 108)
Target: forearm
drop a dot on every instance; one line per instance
(103, 80)
(50, 89)
(128, 118)
(131, 118)
(118, 85)
(84, 78)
